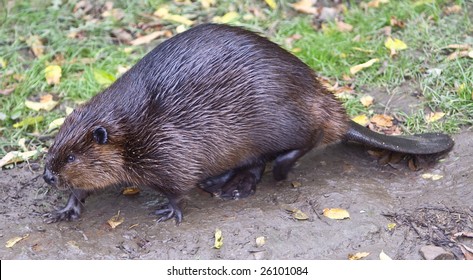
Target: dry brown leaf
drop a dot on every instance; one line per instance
(454, 9)
(336, 213)
(7, 91)
(358, 256)
(367, 100)
(131, 191)
(464, 234)
(116, 220)
(382, 120)
(460, 54)
(344, 27)
(305, 6)
(147, 38)
(373, 4)
(467, 252)
(458, 46)
(36, 45)
(296, 184)
(396, 22)
(357, 68)
(11, 242)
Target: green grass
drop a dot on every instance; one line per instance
(328, 51)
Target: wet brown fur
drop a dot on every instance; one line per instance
(208, 100)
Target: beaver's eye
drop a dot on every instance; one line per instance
(71, 158)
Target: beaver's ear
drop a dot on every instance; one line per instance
(100, 135)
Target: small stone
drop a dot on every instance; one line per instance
(431, 252)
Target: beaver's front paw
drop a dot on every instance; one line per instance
(64, 214)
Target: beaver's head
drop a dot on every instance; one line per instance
(87, 152)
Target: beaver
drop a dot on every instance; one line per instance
(206, 108)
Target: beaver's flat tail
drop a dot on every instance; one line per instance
(419, 144)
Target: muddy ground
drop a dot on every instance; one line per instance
(345, 176)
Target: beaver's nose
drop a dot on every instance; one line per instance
(49, 177)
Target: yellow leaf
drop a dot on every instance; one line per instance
(218, 239)
(145, 39)
(355, 69)
(103, 78)
(163, 13)
(116, 220)
(358, 256)
(272, 4)
(382, 120)
(361, 120)
(226, 18)
(296, 184)
(28, 121)
(131, 191)
(260, 241)
(336, 213)
(299, 215)
(10, 243)
(423, 2)
(391, 226)
(373, 3)
(69, 110)
(46, 103)
(207, 3)
(56, 123)
(433, 177)
(15, 157)
(181, 28)
(53, 74)
(394, 45)
(367, 100)
(3, 63)
(362, 50)
(36, 45)
(433, 117)
(305, 6)
(384, 257)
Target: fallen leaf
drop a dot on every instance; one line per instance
(305, 6)
(260, 241)
(362, 50)
(382, 120)
(391, 226)
(458, 46)
(467, 252)
(384, 257)
(423, 2)
(396, 22)
(464, 234)
(10, 243)
(296, 184)
(116, 220)
(454, 9)
(299, 215)
(181, 28)
(53, 74)
(7, 91)
(56, 123)
(358, 256)
(460, 54)
(218, 239)
(433, 177)
(165, 15)
(344, 27)
(272, 4)
(131, 191)
(226, 18)
(361, 120)
(355, 69)
(434, 116)
(394, 45)
(46, 103)
(373, 4)
(207, 3)
(103, 78)
(36, 45)
(367, 100)
(336, 213)
(69, 110)
(3, 63)
(147, 38)
(28, 121)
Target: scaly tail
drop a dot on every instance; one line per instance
(418, 144)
